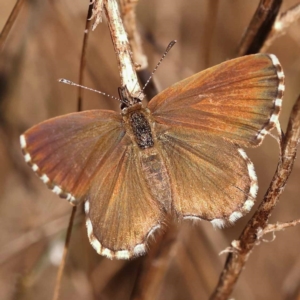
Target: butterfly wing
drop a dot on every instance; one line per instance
(87, 156)
(211, 178)
(66, 152)
(239, 99)
(121, 212)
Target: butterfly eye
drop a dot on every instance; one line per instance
(123, 106)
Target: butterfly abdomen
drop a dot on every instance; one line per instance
(156, 176)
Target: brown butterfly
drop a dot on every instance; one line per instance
(181, 155)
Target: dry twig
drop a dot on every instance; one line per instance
(122, 48)
(280, 226)
(140, 59)
(236, 260)
(259, 27)
(282, 23)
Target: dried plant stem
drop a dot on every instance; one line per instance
(122, 48)
(280, 226)
(83, 53)
(63, 260)
(10, 22)
(236, 260)
(155, 265)
(140, 59)
(283, 22)
(259, 27)
(129, 19)
(27, 239)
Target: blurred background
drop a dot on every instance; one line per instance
(44, 45)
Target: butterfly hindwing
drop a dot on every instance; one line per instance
(211, 178)
(67, 151)
(239, 99)
(87, 156)
(121, 212)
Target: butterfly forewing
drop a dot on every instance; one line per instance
(239, 99)
(211, 178)
(66, 152)
(120, 209)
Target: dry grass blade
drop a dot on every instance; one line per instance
(64, 256)
(259, 27)
(235, 261)
(10, 22)
(83, 53)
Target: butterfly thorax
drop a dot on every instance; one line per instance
(138, 125)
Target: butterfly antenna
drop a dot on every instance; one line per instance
(172, 43)
(66, 81)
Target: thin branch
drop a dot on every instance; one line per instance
(236, 260)
(10, 22)
(282, 23)
(259, 27)
(63, 260)
(83, 53)
(122, 48)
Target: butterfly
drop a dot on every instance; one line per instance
(181, 155)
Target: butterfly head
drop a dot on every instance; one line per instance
(126, 99)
